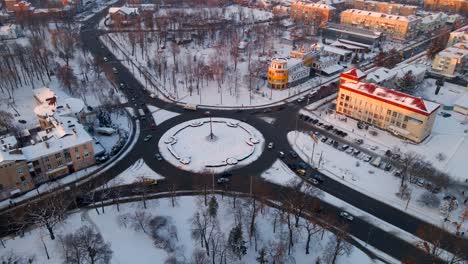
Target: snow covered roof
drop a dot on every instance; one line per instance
(315, 5)
(412, 103)
(6, 29)
(381, 74)
(434, 18)
(69, 106)
(123, 9)
(43, 94)
(332, 69)
(381, 15)
(462, 101)
(457, 51)
(336, 50)
(354, 73)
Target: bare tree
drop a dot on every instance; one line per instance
(431, 240)
(12, 258)
(85, 246)
(338, 246)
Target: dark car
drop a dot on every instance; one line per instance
(293, 154)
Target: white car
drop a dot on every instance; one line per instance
(271, 145)
(106, 59)
(300, 100)
(347, 216)
(152, 95)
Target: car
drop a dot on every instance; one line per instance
(158, 156)
(388, 167)
(315, 182)
(318, 177)
(320, 124)
(359, 141)
(374, 147)
(330, 142)
(367, 158)
(122, 85)
(301, 99)
(317, 133)
(397, 174)
(301, 116)
(324, 139)
(222, 180)
(114, 70)
(344, 147)
(281, 154)
(344, 134)
(106, 59)
(271, 145)
(152, 95)
(207, 113)
(346, 216)
(315, 121)
(349, 151)
(293, 154)
(148, 138)
(300, 172)
(302, 165)
(102, 159)
(356, 152)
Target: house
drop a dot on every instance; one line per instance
(433, 22)
(123, 15)
(451, 61)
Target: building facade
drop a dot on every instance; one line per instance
(399, 113)
(451, 61)
(453, 6)
(384, 7)
(310, 13)
(399, 27)
(287, 72)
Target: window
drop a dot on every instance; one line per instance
(347, 98)
(342, 96)
(403, 126)
(398, 124)
(59, 162)
(76, 149)
(341, 103)
(19, 170)
(58, 155)
(394, 114)
(46, 159)
(389, 112)
(78, 157)
(22, 178)
(85, 147)
(86, 154)
(406, 119)
(49, 167)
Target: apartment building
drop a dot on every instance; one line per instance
(459, 35)
(453, 6)
(384, 7)
(60, 146)
(451, 61)
(398, 27)
(311, 12)
(401, 114)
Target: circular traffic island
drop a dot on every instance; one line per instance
(211, 145)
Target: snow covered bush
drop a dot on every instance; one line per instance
(429, 199)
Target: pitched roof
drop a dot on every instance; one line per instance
(412, 103)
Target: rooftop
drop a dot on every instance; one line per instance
(380, 15)
(407, 101)
(315, 5)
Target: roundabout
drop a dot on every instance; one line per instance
(211, 145)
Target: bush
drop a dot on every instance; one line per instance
(429, 199)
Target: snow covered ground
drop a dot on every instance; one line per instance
(138, 172)
(448, 137)
(131, 246)
(161, 115)
(189, 146)
(279, 173)
(374, 182)
(448, 94)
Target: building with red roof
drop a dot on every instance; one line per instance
(399, 113)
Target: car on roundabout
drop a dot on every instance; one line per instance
(346, 216)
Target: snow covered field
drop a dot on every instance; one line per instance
(372, 181)
(189, 145)
(161, 115)
(279, 173)
(136, 246)
(448, 94)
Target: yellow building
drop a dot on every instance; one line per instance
(452, 60)
(400, 27)
(383, 7)
(278, 73)
(399, 113)
(288, 72)
(454, 6)
(311, 12)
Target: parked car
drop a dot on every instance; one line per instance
(324, 139)
(281, 154)
(367, 158)
(318, 177)
(347, 216)
(293, 154)
(106, 59)
(315, 182)
(356, 152)
(349, 151)
(344, 147)
(222, 180)
(301, 99)
(388, 167)
(158, 157)
(271, 145)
